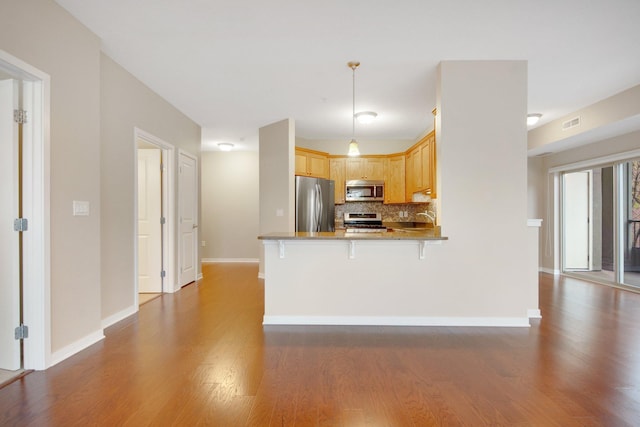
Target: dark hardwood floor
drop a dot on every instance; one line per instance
(202, 357)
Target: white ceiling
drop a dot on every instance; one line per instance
(234, 66)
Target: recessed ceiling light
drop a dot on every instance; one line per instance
(532, 119)
(366, 117)
(225, 146)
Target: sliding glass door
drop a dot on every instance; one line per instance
(630, 221)
(601, 223)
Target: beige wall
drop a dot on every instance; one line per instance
(45, 36)
(94, 107)
(536, 182)
(125, 104)
(230, 206)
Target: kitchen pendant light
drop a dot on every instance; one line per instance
(353, 144)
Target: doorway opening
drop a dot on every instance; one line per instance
(154, 217)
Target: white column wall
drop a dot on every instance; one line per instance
(277, 192)
(482, 174)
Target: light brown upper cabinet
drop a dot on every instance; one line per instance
(311, 163)
(413, 172)
(394, 179)
(337, 172)
(427, 156)
(365, 168)
(420, 167)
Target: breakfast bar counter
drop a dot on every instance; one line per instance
(393, 234)
(410, 277)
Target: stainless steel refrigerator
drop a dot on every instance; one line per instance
(315, 210)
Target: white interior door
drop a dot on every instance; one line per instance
(576, 220)
(188, 222)
(9, 243)
(149, 226)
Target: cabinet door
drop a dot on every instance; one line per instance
(416, 158)
(428, 155)
(414, 173)
(355, 169)
(337, 170)
(374, 168)
(425, 159)
(395, 179)
(409, 181)
(317, 165)
(301, 163)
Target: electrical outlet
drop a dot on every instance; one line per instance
(204, 243)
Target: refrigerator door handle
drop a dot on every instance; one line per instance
(314, 225)
(321, 207)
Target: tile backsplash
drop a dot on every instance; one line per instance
(390, 213)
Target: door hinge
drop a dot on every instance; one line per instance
(163, 274)
(163, 220)
(20, 224)
(22, 332)
(20, 116)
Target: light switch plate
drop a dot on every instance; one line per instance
(81, 208)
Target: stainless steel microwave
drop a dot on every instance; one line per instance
(364, 191)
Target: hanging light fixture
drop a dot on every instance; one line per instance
(353, 144)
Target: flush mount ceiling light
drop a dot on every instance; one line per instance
(353, 144)
(366, 117)
(225, 146)
(532, 119)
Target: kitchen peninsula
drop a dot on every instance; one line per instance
(348, 278)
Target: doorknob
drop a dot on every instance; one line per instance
(195, 225)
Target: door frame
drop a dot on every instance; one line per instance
(36, 208)
(168, 210)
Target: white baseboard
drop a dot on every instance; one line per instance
(122, 314)
(534, 313)
(199, 276)
(260, 275)
(550, 271)
(397, 321)
(76, 347)
(214, 260)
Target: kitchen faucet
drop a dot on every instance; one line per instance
(431, 215)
